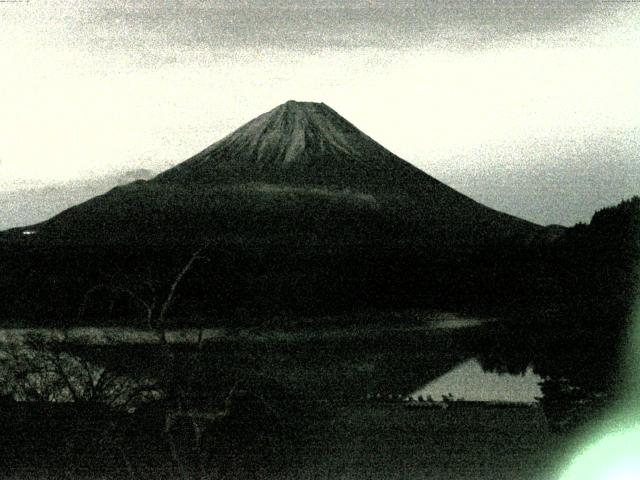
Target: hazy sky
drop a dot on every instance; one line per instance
(532, 107)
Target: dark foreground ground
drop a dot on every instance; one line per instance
(365, 440)
(369, 441)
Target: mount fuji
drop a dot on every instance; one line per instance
(299, 211)
(300, 172)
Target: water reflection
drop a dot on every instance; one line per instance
(470, 382)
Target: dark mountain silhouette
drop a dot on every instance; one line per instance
(299, 171)
(300, 211)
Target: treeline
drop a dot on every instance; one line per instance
(576, 325)
(583, 273)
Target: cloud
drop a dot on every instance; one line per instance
(158, 27)
(133, 175)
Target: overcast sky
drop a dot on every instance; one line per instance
(531, 107)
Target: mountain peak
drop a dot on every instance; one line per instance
(296, 104)
(293, 113)
(310, 113)
(299, 144)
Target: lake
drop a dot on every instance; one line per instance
(433, 356)
(469, 381)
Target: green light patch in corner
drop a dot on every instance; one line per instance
(615, 456)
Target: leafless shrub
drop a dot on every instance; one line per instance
(42, 369)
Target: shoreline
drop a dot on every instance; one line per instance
(92, 335)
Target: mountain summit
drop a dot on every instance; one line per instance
(297, 143)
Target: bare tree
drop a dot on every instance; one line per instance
(154, 297)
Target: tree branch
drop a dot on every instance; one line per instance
(174, 286)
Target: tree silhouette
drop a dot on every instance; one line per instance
(153, 296)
